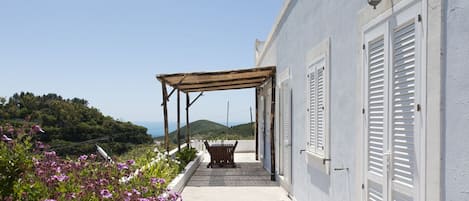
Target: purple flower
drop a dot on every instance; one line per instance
(71, 196)
(161, 181)
(143, 199)
(60, 177)
(105, 193)
(130, 162)
(37, 128)
(92, 156)
(49, 200)
(121, 166)
(40, 145)
(103, 181)
(83, 157)
(6, 138)
(153, 180)
(135, 191)
(50, 154)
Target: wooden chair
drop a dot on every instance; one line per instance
(207, 146)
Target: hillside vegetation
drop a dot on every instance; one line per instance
(209, 130)
(72, 127)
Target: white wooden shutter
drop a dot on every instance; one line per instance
(312, 110)
(320, 107)
(375, 124)
(286, 106)
(403, 112)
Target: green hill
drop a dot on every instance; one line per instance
(72, 127)
(209, 130)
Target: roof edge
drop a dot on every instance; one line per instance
(273, 33)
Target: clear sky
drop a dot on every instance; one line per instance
(109, 51)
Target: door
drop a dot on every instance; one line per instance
(392, 106)
(267, 109)
(261, 128)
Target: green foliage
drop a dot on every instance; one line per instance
(208, 130)
(72, 126)
(15, 159)
(186, 155)
(29, 172)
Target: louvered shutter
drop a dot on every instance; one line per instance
(376, 119)
(320, 107)
(312, 110)
(403, 112)
(286, 112)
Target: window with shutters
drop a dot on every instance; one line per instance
(392, 96)
(317, 89)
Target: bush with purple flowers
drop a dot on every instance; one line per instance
(28, 171)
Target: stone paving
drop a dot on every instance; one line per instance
(248, 181)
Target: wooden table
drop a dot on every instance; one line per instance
(221, 155)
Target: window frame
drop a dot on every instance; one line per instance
(318, 56)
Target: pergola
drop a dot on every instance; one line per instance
(216, 81)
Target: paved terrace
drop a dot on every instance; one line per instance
(247, 182)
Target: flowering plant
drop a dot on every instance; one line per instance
(29, 171)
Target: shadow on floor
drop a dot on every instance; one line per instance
(245, 174)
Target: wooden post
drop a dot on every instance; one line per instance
(188, 128)
(257, 124)
(165, 113)
(179, 122)
(272, 132)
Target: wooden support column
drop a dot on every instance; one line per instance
(165, 114)
(257, 124)
(272, 132)
(188, 128)
(179, 121)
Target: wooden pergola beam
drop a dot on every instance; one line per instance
(188, 129)
(272, 136)
(257, 123)
(221, 88)
(193, 101)
(258, 69)
(165, 114)
(254, 80)
(179, 121)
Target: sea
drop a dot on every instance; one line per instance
(156, 129)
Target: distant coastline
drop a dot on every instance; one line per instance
(156, 129)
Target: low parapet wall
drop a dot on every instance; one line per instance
(244, 146)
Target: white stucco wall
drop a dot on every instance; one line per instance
(304, 26)
(456, 151)
(303, 29)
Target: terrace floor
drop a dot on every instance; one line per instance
(248, 181)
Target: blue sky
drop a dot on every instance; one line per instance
(109, 51)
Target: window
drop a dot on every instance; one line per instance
(316, 108)
(391, 105)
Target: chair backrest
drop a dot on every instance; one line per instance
(234, 147)
(207, 146)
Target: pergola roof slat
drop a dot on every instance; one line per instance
(220, 80)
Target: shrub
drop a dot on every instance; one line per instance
(186, 155)
(31, 172)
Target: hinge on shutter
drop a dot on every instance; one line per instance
(363, 47)
(418, 108)
(323, 68)
(363, 110)
(419, 18)
(363, 186)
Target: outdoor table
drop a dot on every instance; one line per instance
(221, 155)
